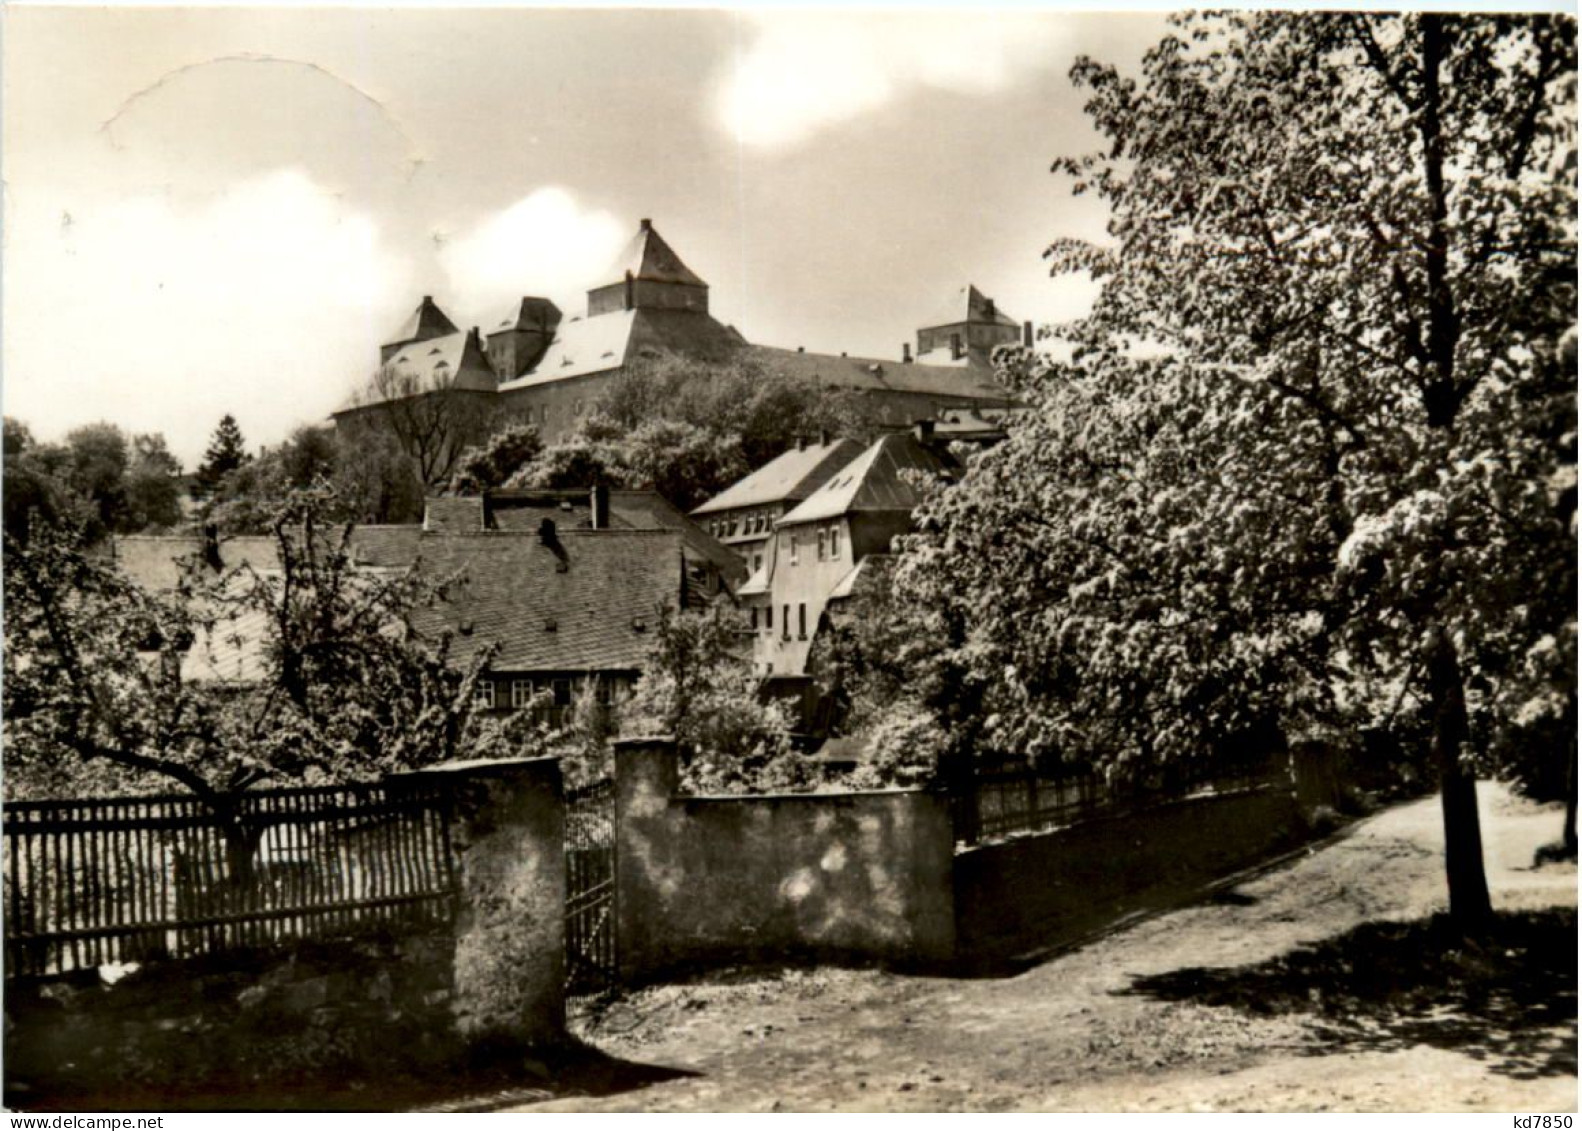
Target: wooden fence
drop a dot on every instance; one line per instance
(96, 882)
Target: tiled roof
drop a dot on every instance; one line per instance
(629, 510)
(455, 361)
(648, 256)
(873, 481)
(389, 547)
(790, 477)
(156, 562)
(449, 514)
(427, 321)
(597, 614)
(965, 377)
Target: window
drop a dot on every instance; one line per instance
(785, 621)
(821, 543)
(834, 542)
(483, 695)
(769, 617)
(754, 614)
(758, 562)
(801, 622)
(562, 690)
(521, 692)
(603, 693)
(792, 538)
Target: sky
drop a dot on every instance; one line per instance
(223, 210)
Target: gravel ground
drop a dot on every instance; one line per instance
(1302, 989)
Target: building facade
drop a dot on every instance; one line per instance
(538, 365)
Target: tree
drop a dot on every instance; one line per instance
(227, 451)
(104, 693)
(35, 487)
(152, 487)
(432, 422)
(765, 412)
(1306, 461)
(696, 687)
(489, 464)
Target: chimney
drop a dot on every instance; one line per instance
(955, 347)
(546, 532)
(923, 432)
(627, 301)
(1027, 334)
(801, 349)
(599, 517)
(645, 224)
(906, 353)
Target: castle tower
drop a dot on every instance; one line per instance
(427, 321)
(649, 276)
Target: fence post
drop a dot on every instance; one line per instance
(647, 776)
(507, 841)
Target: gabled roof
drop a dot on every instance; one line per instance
(790, 477)
(596, 614)
(873, 481)
(427, 321)
(649, 257)
(965, 377)
(455, 361)
(970, 305)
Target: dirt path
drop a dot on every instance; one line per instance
(1120, 1026)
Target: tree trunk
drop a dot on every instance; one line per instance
(1469, 889)
(1569, 835)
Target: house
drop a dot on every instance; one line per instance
(537, 365)
(566, 585)
(712, 567)
(566, 610)
(743, 515)
(822, 547)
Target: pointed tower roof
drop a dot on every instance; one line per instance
(970, 305)
(649, 257)
(427, 321)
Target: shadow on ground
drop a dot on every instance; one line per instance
(575, 1070)
(1509, 998)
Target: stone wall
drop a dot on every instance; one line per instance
(855, 876)
(1042, 890)
(365, 1004)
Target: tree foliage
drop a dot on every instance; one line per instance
(1310, 456)
(695, 687)
(98, 476)
(326, 677)
(227, 451)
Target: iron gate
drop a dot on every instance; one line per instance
(591, 965)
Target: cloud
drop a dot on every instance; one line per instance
(261, 302)
(544, 244)
(804, 71)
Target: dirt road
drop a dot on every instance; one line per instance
(1320, 986)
